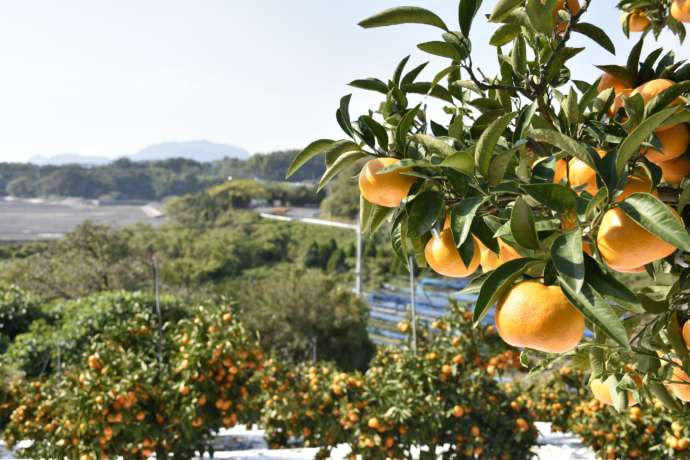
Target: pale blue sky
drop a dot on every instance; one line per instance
(110, 77)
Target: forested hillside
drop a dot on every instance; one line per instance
(129, 180)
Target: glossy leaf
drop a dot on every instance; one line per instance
(596, 34)
(657, 218)
(309, 152)
(403, 15)
(566, 255)
(488, 140)
(522, 225)
(565, 143)
(555, 196)
(425, 210)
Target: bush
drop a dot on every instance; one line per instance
(444, 398)
(17, 311)
(136, 394)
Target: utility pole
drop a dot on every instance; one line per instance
(413, 302)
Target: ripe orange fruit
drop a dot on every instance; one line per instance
(652, 88)
(680, 10)
(602, 393)
(387, 189)
(680, 390)
(491, 261)
(674, 171)
(686, 333)
(674, 143)
(582, 176)
(623, 243)
(540, 317)
(443, 257)
(610, 81)
(637, 21)
(559, 171)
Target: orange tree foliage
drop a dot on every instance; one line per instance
(585, 182)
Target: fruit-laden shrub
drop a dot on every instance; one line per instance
(311, 404)
(8, 378)
(133, 394)
(553, 396)
(444, 397)
(647, 432)
(74, 325)
(17, 311)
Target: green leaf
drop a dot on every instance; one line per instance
(425, 210)
(555, 196)
(596, 310)
(619, 72)
(343, 161)
(503, 8)
(433, 144)
(412, 75)
(462, 216)
(312, 150)
(497, 284)
(443, 49)
(499, 167)
(634, 59)
(524, 120)
(596, 34)
(342, 115)
(562, 56)
(404, 127)
(662, 394)
(399, 70)
(657, 218)
(540, 16)
(426, 88)
(522, 225)
(567, 258)
(378, 130)
(466, 12)
(333, 152)
(403, 15)
(608, 286)
(518, 55)
(684, 197)
(371, 84)
(460, 161)
(565, 143)
(488, 140)
(504, 34)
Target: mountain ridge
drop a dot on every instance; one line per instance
(198, 150)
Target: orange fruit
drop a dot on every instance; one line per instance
(582, 176)
(686, 333)
(652, 88)
(681, 389)
(610, 81)
(387, 189)
(559, 171)
(540, 317)
(680, 10)
(637, 21)
(674, 171)
(491, 261)
(601, 392)
(635, 184)
(443, 257)
(623, 243)
(674, 143)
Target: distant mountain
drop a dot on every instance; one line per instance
(69, 158)
(202, 151)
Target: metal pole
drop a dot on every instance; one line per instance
(358, 265)
(156, 292)
(413, 303)
(59, 362)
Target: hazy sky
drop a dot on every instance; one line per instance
(110, 77)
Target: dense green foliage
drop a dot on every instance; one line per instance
(125, 179)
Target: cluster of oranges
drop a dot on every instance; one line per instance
(121, 402)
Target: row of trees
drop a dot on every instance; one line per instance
(154, 180)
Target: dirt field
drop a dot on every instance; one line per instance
(24, 220)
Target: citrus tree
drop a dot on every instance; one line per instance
(551, 193)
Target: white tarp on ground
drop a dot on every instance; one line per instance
(552, 446)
